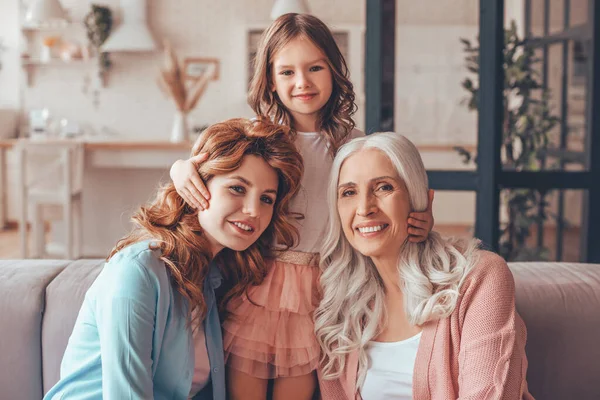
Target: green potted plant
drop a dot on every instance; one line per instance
(98, 23)
(528, 121)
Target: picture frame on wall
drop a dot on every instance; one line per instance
(194, 67)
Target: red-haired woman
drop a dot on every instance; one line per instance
(149, 326)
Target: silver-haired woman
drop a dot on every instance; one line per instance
(401, 320)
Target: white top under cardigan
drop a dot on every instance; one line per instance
(390, 372)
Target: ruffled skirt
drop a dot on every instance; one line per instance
(270, 332)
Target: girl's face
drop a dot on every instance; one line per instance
(302, 79)
(241, 205)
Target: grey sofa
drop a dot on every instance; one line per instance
(560, 303)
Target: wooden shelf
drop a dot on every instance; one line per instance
(31, 64)
(7, 143)
(55, 62)
(112, 144)
(151, 145)
(54, 26)
(33, 33)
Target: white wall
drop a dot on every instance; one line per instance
(428, 103)
(132, 104)
(9, 73)
(429, 69)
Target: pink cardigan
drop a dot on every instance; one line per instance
(478, 352)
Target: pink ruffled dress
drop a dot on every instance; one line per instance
(270, 332)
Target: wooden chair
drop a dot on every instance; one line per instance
(50, 173)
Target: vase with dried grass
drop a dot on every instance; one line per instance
(185, 93)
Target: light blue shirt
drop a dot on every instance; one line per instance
(132, 340)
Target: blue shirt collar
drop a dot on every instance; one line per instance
(215, 278)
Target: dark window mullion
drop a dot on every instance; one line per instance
(591, 226)
(490, 123)
(564, 111)
(541, 209)
(379, 59)
(453, 180)
(546, 180)
(527, 19)
(373, 66)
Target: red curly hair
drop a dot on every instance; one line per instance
(175, 226)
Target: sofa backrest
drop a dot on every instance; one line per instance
(22, 300)
(560, 304)
(64, 296)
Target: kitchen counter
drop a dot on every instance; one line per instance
(118, 177)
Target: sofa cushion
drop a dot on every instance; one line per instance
(22, 289)
(560, 304)
(64, 297)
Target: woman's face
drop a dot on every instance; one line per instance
(241, 205)
(373, 205)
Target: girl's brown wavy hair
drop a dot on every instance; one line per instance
(177, 232)
(335, 118)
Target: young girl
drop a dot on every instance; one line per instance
(300, 80)
(149, 326)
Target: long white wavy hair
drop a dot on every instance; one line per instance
(352, 311)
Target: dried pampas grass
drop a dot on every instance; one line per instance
(172, 82)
